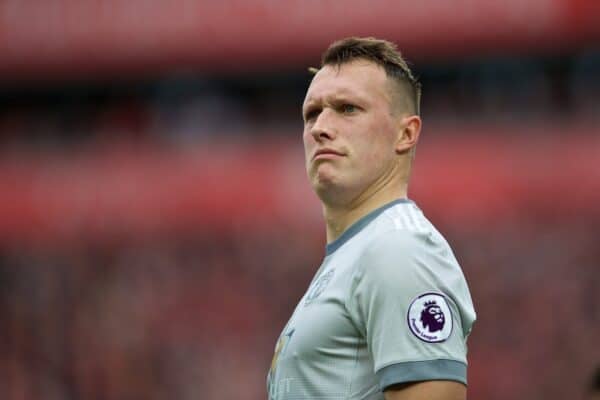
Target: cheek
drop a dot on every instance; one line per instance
(309, 149)
(378, 129)
(375, 145)
(308, 141)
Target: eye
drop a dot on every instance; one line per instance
(348, 108)
(311, 114)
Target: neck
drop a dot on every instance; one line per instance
(338, 218)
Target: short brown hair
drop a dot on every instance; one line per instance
(381, 52)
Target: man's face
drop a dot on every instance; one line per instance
(349, 131)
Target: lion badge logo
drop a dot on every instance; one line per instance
(430, 318)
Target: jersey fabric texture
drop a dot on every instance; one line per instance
(388, 305)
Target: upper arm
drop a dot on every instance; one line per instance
(430, 390)
(403, 277)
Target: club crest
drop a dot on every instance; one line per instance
(430, 318)
(319, 286)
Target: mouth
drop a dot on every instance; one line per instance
(326, 153)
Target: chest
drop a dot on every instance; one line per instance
(321, 325)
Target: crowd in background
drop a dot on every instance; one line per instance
(186, 109)
(197, 316)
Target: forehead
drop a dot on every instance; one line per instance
(359, 78)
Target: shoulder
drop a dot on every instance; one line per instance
(405, 245)
(393, 245)
(403, 233)
(393, 254)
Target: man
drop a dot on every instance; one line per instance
(388, 312)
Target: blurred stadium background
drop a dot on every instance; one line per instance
(156, 226)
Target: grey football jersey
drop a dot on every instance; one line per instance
(389, 304)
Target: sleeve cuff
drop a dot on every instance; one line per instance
(416, 371)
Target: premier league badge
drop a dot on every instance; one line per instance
(430, 318)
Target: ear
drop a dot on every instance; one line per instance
(409, 128)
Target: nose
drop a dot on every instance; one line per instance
(323, 129)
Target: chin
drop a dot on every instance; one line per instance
(323, 186)
(331, 192)
(324, 179)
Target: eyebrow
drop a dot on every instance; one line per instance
(336, 99)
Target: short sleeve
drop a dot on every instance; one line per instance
(410, 301)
